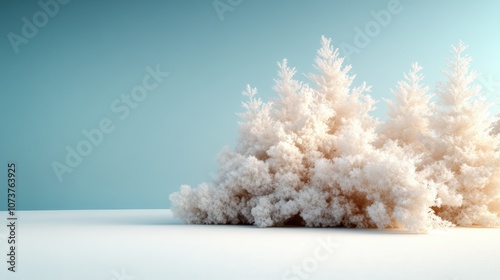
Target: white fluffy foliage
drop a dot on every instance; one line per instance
(465, 145)
(411, 106)
(496, 129)
(314, 156)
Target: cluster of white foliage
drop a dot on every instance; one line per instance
(497, 126)
(316, 157)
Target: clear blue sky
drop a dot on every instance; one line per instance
(70, 74)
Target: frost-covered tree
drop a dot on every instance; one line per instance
(309, 158)
(409, 114)
(466, 154)
(496, 130)
(314, 156)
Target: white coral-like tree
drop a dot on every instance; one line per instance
(313, 157)
(409, 113)
(496, 130)
(465, 147)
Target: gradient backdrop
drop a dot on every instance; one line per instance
(85, 56)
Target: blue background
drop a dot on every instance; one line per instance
(90, 53)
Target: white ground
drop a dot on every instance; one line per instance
(152, 245)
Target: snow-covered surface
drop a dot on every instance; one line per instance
(151, 245)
